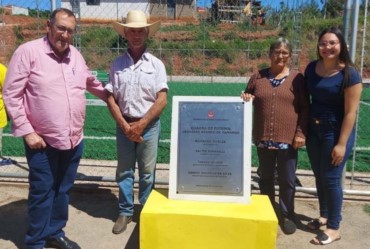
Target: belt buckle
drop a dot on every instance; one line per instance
(316, 121)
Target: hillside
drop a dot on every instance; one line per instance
(178, 45)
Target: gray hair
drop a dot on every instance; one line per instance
(281, 41)
(61, 10)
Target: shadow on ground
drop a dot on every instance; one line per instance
(103, 203)
(86, 198)
(13, 217)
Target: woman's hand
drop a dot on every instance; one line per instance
(337, 154)
(246, 96)
(298, 142)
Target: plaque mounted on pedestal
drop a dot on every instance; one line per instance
(211, 149)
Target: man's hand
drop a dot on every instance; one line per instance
(90, 79)
(135, 132)
(34, 141)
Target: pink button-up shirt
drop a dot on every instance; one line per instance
(46, 94)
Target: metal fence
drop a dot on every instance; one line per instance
(207, 50)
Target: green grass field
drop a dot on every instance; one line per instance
(100, 127)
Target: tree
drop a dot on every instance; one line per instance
(310, 9)
(334, 8)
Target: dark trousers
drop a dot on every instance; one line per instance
(285, 162)
(51, 176)
(321, 140)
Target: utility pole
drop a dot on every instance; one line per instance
(53, 4)
(353, 44)
(347, 14)
(352, 52)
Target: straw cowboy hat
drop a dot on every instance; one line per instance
(136, 19)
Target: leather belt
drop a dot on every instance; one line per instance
(131, 119)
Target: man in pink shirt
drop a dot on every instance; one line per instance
(44, 94)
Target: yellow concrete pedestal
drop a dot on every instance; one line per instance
(179, 224)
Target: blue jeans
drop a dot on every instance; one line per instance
(321, 140)
(145, 154)
(51, 175)
(285, 162)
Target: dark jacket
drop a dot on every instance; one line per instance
(280, 113)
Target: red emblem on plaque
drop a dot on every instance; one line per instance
(211, 114)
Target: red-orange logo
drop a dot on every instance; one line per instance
(211, 114)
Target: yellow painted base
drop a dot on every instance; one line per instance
(179, 224)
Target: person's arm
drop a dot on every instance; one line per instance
(247, 94)
(3, 116)
(95, 87)
(352, 97)
(13, 95)
(154, 112)
(302, 101)
(3, 70)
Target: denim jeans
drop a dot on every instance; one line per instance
(51, 175)
(285, 162)
(321, 140)
(145, 154)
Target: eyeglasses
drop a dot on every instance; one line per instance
(283, 53)
(61, 29)
(329, 44)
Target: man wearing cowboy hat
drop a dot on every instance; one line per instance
(138, 94)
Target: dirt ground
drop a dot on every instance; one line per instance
(93, 210)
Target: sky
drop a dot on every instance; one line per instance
(45, 4)
(290, 3)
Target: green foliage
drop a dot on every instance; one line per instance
(311, 10)
(208, 41)
(334, 8)
(44, 14)
(239, 43)
(243, 70)
(231, 35)
(202, 35)
(317, 25)
(187, 52)
(215, 45)
(367, 208)
(187, 27)
(257, 49)
(18, 34)
(95, 36)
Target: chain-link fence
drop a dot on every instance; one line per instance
(208, 47)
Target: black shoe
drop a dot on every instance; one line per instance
(121, 224)
(61, 243)
(288, 226)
